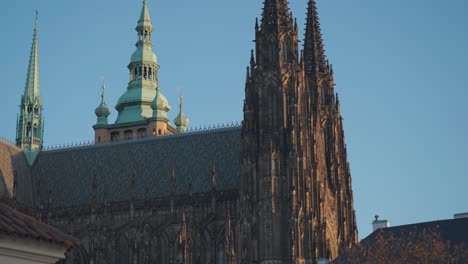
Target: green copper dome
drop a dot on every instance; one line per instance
(135, 104)
(102, 111)
(144, 54)
(181, 121)
(160, 106)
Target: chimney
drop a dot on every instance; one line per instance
(460, 216)
(377, 224)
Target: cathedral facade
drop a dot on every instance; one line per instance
(274, 190)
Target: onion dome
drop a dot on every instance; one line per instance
(102, 111)
(181, 121)
(160, 106)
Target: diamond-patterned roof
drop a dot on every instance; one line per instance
(68, 173)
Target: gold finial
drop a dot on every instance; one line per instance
(180, 89)
(103, 87)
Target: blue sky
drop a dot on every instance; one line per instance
(400, 68)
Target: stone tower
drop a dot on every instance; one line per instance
(296, 201)
(30, 123)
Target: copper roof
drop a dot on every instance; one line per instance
(15, 223)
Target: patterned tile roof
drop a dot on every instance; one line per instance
(12, 160)
(15, 223)
(68, 173)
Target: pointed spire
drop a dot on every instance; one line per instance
(252, 59)
(30, 125)
(32, 82)
(314, 53)
(145, 20)
(181, 121)
(275, 15)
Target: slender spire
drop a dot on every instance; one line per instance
(145, 20)
(30, 125)
(314, 53)
(181, 121)
(32, 82)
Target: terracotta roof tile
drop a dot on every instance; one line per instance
(18, 224)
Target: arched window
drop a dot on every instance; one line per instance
(141, 132)
(128, 134)
(115, 136)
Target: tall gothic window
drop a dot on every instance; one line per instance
(206, 247)
(286, 50)
(122, 251)
(272, 53)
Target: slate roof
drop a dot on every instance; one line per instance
(18, 224)
(68, 173)
(453, 230)
(12, 159)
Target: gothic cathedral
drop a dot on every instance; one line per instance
(275, 189)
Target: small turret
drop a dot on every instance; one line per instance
(102, 111)
(181, 121)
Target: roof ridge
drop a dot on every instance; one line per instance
(142, 140)
(9, 143)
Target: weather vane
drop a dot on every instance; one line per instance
(180, 90)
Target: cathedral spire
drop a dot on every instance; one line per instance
(29, 129)
(314, 53)
(134, 105)
(32, 81)
(275, 15)
(276, 38)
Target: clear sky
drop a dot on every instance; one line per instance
(400, 68)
